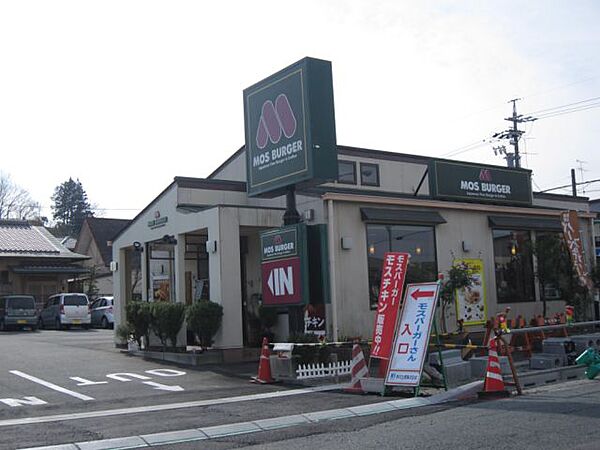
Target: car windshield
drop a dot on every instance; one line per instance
(21, 303)
(76, 300)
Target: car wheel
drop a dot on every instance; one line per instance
(105, 323)
(58, 324)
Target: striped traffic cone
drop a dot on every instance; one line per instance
(264, 366)
(493, 384)
(358, 370)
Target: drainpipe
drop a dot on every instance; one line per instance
(332, 278)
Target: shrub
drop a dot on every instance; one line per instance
(123, 333)
(166, 321)
(309, 354)
(204, 319)
(138, 319)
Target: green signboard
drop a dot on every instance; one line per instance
(290, 128)
(479, 183)
(280, 243)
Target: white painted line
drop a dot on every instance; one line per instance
(52, 386)
(31, 401)
(166, 407)
(163, 387)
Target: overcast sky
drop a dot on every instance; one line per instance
(125, 95)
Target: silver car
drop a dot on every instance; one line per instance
(64, 310)
(102, 312)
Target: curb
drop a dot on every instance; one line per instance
(466, 392)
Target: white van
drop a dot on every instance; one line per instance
(63, 310)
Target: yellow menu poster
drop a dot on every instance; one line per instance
(470, 301)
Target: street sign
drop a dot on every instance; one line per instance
(290, 128)
(393, 274)
(412, 335)
(284, 266)
(479, 183)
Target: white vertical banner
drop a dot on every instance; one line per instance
(412, 334)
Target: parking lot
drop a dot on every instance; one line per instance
(67, 369)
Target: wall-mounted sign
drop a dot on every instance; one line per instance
(479, 183)
(412, 335)
(158, 221)
(393, 274)
(471, 306)
(290, 128)
(284, 266)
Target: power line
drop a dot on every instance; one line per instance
(580, 183)
(564, 106)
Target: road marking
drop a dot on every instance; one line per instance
(167, 407)
(166, 372)
(163, 387)
(86, 382)
(122, 376)
(51, 385)
(32, 401)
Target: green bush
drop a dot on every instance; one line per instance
(138, 319)
(309, 354)
(204, 319)
(123, 333)
(166, 321)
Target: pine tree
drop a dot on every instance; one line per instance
(71, 206)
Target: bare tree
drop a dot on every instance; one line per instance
(15, 202)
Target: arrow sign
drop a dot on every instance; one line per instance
(416, 295)
(163, 387)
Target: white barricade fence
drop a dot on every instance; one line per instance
(332, 369)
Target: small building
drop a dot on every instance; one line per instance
(34, 262)
(200, 239)
(95, 240)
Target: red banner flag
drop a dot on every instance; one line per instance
(390, 295)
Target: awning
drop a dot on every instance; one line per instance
(408, 216)
(525, 223)
(41, 269)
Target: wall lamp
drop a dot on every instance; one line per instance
(138, 247)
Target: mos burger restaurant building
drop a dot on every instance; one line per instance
(200, 238)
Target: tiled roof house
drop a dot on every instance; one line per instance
(32, 261)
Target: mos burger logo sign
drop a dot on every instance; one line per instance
(290, 128)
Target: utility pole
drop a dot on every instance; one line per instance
(514, 134)
(573, 183)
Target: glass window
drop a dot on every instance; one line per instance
(161, 266)
(513, 264)
(75, 300)
(369, 174)
(347, 172)
(419, 241)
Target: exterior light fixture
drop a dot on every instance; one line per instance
(513, 249)
(371, 249)
(418, 250)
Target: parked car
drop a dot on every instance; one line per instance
(17, 311)
(102, 312)
(65, 310)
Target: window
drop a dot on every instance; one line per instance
(419, 241)
(161, 266)
(3, 276)
(369, 174)
(513, 264)
(347, 172)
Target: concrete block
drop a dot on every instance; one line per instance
(558, 346)
(542, 361)
(458, 372)
(449, 357)
(479, 366)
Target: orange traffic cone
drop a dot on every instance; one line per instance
(493, 384)
(264, 366)
(358, 370)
